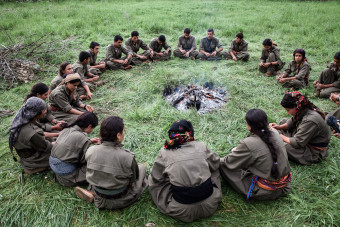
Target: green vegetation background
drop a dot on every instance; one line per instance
(136, 95)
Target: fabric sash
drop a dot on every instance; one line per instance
(61, 168)
(111, 193)
(319, 146)
(25, 153)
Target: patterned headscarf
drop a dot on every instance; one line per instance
(31, 108)
(180, 132)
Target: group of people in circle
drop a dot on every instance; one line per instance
(184, 181)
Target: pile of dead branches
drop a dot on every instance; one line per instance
(19, 59)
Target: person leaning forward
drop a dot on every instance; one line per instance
(156, 45)
(238, 49)
(271, 63)
(186, 46)
(114, 60)
(208, 45)
(133, 44)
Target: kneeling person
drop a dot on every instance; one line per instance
(186, 46)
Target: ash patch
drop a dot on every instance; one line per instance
(203, 98)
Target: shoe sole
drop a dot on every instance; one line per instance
(83, 194)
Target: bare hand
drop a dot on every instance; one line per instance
(95, 78)
(274, 126)
(315, 82)
(89, 108)
(234, 58)
(58, 126)
(319, 86)
(266, 64)
(151, 54)
(213, 53)
(183, 51)
(125, 61)
(187, 54)
(89, 95)
(141, 57)
(207, 54)
(95, 140)
(166, 52)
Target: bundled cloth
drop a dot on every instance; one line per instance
(61, 168)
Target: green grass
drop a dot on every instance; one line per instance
(136, 95)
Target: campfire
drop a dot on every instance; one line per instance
(203, 98)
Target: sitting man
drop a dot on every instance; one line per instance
(95, 68)
(208, 47)
(238, 49)
(156, 45)
(133, 44)
(186, 46)
(329, 80)
(114, 60)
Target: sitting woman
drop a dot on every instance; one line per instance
(64, 69)
(116, 179)
(271, 53)
(64, 100)
(185, 180)
(67, 158)
(48, 123)
(258, 167)
(300, 69)
(27, 137)
(306, 134)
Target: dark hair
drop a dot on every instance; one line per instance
(337, 55)
(84, 55)
(162, 38)
(211, 30)
(118, 37)
(267, 42)
(74, 81)
(110, 127)
(93, 45)
(39, 88)
(300, 51)
(258, 121)
(62, 67)
(84, 120)
(134, 33)
(187, 31)
(239, 35)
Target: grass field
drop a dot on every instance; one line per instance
(136, 95)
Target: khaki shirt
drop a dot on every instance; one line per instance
(82, 70)
(336, 74)
(110, 166)
(265, 54)
(116, 53)
(55, 82)
(48, 117)
(71, 145)
(93, 58)
(186, 44)
(60, 99)
(155, 46)
(299, 74)
(188, 166)
(134, 47)
(210, 46)
(253, 154)
(238, 47)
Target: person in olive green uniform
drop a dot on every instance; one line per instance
(238, 49)
(306, 134)
(114, 60)
(329, 80)
(96, 68)
(67, 158)
(185, 180)
(186, 46)
(116, 179)
(27, 137)
(208, 45)
(271, 63)
(133, 44)
(258, 167)
(64, 69)
(336, 99)
(300, 69)
(64, 100)
(156, 46)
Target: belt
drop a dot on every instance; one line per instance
(111, 194)
(54, 108)
(25, 153)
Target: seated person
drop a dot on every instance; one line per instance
(185, 179)
(334, 97)
(300, 69)
(238, 49)
(271, 53)
(156, 46)
(329, 80)
(28, 138)
(64, 69)
(258, 167)
(67, 158)
(133, 44)
(114, 60)
(116, 179)
(186, 46)
(306, 134)
(96, 68)
(64, 100)
(208, 45)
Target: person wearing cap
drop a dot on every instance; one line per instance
(329, 80)
(186, 46)
(96, 68)
(208, 45)
(306, 134)
(270, 63)
(156, 45)
(300, 70)
(134, 44)
(64, 100)
(238, 49)
(258, 167)
(113, 59)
